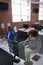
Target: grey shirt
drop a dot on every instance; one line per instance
(34, 44)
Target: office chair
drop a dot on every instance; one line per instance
(17, 49)
(13, 47)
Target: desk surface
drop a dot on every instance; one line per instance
(39, 62)
(40, 32)
(25, 30)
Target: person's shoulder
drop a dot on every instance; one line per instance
(27, 39)
(12, 32)
(38, 39)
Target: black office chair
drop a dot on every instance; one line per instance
(17, 48)
(13, 47)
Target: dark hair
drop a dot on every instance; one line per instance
(10, 28)
(33, 32)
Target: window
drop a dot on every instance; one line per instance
(41, 10)
(21, 10)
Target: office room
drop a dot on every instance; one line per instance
(21, 32)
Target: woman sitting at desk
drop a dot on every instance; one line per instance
(34, 41)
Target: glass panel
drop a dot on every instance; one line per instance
(24, 10)
(24, 18)
(40, 12)
(16, 1)
(16, 18)
(23, 2)
(41, 17)
(16, 9)
(40, 7)
(41, 0)
(20, 10)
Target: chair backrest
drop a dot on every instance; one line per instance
(21, 51)
(17, 49)
(13, 47)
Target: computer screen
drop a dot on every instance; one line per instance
(5, 58)
(25, 26)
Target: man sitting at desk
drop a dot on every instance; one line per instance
(10, 34)
(34, 41)
(10, 37)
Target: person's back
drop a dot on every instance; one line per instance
(35, 44)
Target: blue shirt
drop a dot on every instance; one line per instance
(10, 36)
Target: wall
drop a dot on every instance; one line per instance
(6, 17)
(34, 16)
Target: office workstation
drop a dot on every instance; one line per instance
(5, 48)
(17, 19)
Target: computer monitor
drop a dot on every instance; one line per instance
(25, 26)
(5, 58)
(37, 26)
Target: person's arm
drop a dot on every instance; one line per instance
(26, 42)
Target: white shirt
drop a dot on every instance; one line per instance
(8, 35)
(15, 29)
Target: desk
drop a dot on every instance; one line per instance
(25, 30)
(40, 61)
(40, 33)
